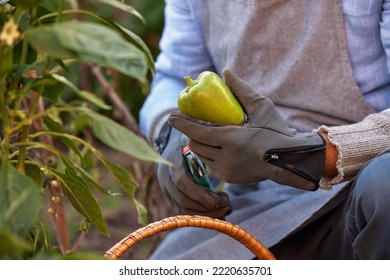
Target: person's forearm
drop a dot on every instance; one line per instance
(350, 147)
(330, 169)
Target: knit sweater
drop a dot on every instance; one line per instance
(357, 144)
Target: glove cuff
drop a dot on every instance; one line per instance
(305, 161)
(157, 125)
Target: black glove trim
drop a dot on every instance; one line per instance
(162, 138)
(296, 159)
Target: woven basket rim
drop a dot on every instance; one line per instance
(236, 232)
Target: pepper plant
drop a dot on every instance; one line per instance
(44, 156)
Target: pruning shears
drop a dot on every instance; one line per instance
(197, 168)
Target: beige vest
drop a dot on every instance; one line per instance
(295, 52)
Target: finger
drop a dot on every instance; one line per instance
(187, 190)
(205, 151)
(182, 197)
(196, 197)
(246, 95)
(194, 208)
(202, 132)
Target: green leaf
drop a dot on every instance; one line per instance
(26, 4)
(126, 179)
(19, 53)
(57, 127)
(20, 200)
(20, 69)
(66, 68)
(91, 42)
(82, 199)
(48, 87)
(37, 239)
(88, 96)
(123, 7)
(69, 165)
(6, 62)
(72, 168)
(76, 190)
(121, 139)
(130, 36)
(139, 43)
(91, 180)
(46, 41)
(128, 184)
(12, 245)
(51, 5)
(34, 172)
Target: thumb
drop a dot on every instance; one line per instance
(259, 109)
(249, 99)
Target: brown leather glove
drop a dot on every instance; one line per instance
(186, 195)
(263, 147)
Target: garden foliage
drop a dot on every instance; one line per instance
(45, 154)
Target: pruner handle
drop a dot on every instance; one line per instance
(197, 168)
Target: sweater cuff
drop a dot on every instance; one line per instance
(356, 145)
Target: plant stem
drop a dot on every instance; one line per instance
(3, 109)
(22, 149)
(23, 57)
(127, 117)
(190, 82)
(59, 220)
(60, 9)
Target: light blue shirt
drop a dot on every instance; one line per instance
(183, 52)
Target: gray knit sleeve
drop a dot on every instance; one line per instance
(357, 144)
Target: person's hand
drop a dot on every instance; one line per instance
(263, 147)
(176, 181)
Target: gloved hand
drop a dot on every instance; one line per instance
(186, 195)
(263, 147)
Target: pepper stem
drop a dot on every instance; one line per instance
(190, 82)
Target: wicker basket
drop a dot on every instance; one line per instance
(234, 231)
